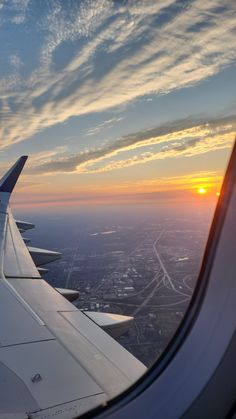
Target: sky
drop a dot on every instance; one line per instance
(117, 102)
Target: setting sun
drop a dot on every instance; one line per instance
(201, 191)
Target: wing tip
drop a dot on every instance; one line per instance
(8, 181)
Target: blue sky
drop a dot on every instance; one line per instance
(116, 95)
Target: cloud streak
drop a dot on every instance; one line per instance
(103, 125)
(181, 138)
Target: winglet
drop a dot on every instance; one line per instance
(8, 181)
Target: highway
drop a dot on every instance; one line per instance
(165, 280)
(165, 273)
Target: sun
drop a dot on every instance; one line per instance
(201, 190)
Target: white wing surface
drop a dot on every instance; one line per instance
(54, 359)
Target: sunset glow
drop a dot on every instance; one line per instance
(202, 191)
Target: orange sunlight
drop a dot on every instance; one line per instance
(202, 190)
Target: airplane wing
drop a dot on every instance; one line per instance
(55, 361)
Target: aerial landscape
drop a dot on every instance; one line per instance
(139, 264)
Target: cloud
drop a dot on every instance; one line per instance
(103, 125)
(37, 159)
(15, 61)
(119, 53)
(72, 23)
(188, 148)
(16, 10)
(180, 138)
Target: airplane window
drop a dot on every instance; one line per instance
(125, 111)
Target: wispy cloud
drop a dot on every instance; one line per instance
(180, 138)
(37, 159)
(18, 10)
(123, 53)
(104, 125)
(15, 61)
(188, 149)
(77, 21)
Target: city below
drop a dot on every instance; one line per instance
(144, 267)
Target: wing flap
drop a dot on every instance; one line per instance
(70, 295)
(112, 367)
(49, 366)
(17, 325)
(17, 259)
(114, 324)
